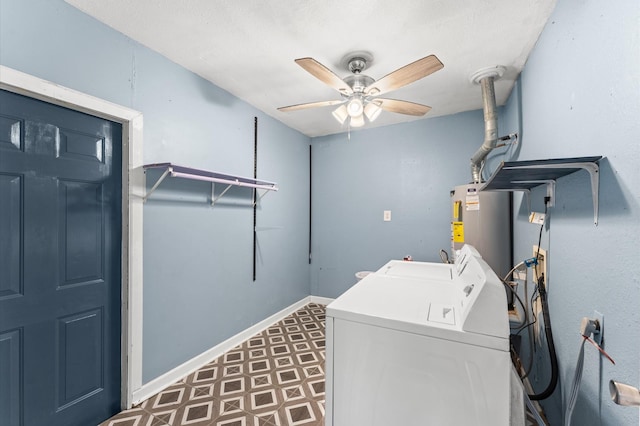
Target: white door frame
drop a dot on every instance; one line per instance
(132, 192)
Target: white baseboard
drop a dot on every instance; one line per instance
(320, 300)
(160, 383)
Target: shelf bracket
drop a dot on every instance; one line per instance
(214, 199)
(259, 196)
(155, 186)
(594, 173)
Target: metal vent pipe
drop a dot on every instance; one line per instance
(486, 78)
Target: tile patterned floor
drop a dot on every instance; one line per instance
(276, 378)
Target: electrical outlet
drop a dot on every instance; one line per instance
(541, 267)
(386, 216)
(597, 337)
(537, 218)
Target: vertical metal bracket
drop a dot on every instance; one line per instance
(594, 173)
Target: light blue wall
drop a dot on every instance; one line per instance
(408, 169)
(198, 287)
(579, 96)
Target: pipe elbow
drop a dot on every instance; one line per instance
(490, 127)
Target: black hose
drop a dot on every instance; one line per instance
(552, 349)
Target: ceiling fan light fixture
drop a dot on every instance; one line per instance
(357, 121)
(372, 111)
(355, 107)
(341, 114)
(359, 91)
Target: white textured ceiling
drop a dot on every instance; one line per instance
(248, 47)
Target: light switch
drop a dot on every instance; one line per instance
(387, 216)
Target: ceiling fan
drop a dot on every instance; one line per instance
(360, 92)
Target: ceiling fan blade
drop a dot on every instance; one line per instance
(324, 74)
(402, 107)
(310, 105)
(405, 75)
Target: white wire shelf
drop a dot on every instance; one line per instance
(173, 170)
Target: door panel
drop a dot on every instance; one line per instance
(80, 349)
(80, 224)
(11, 133)
(11, 241)
(10, 377)
(60, 249)
(80, 146)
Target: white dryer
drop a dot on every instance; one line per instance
(419, 343)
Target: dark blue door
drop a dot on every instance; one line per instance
(60, 248)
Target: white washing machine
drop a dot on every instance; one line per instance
(420, 343)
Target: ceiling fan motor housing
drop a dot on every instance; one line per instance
(358, 82)
(357, 65)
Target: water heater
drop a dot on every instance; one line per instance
(482, 219)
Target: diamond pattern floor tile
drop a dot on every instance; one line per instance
(275, 378)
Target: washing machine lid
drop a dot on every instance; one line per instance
(427, 308)
(417, 270)
(470, 307)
